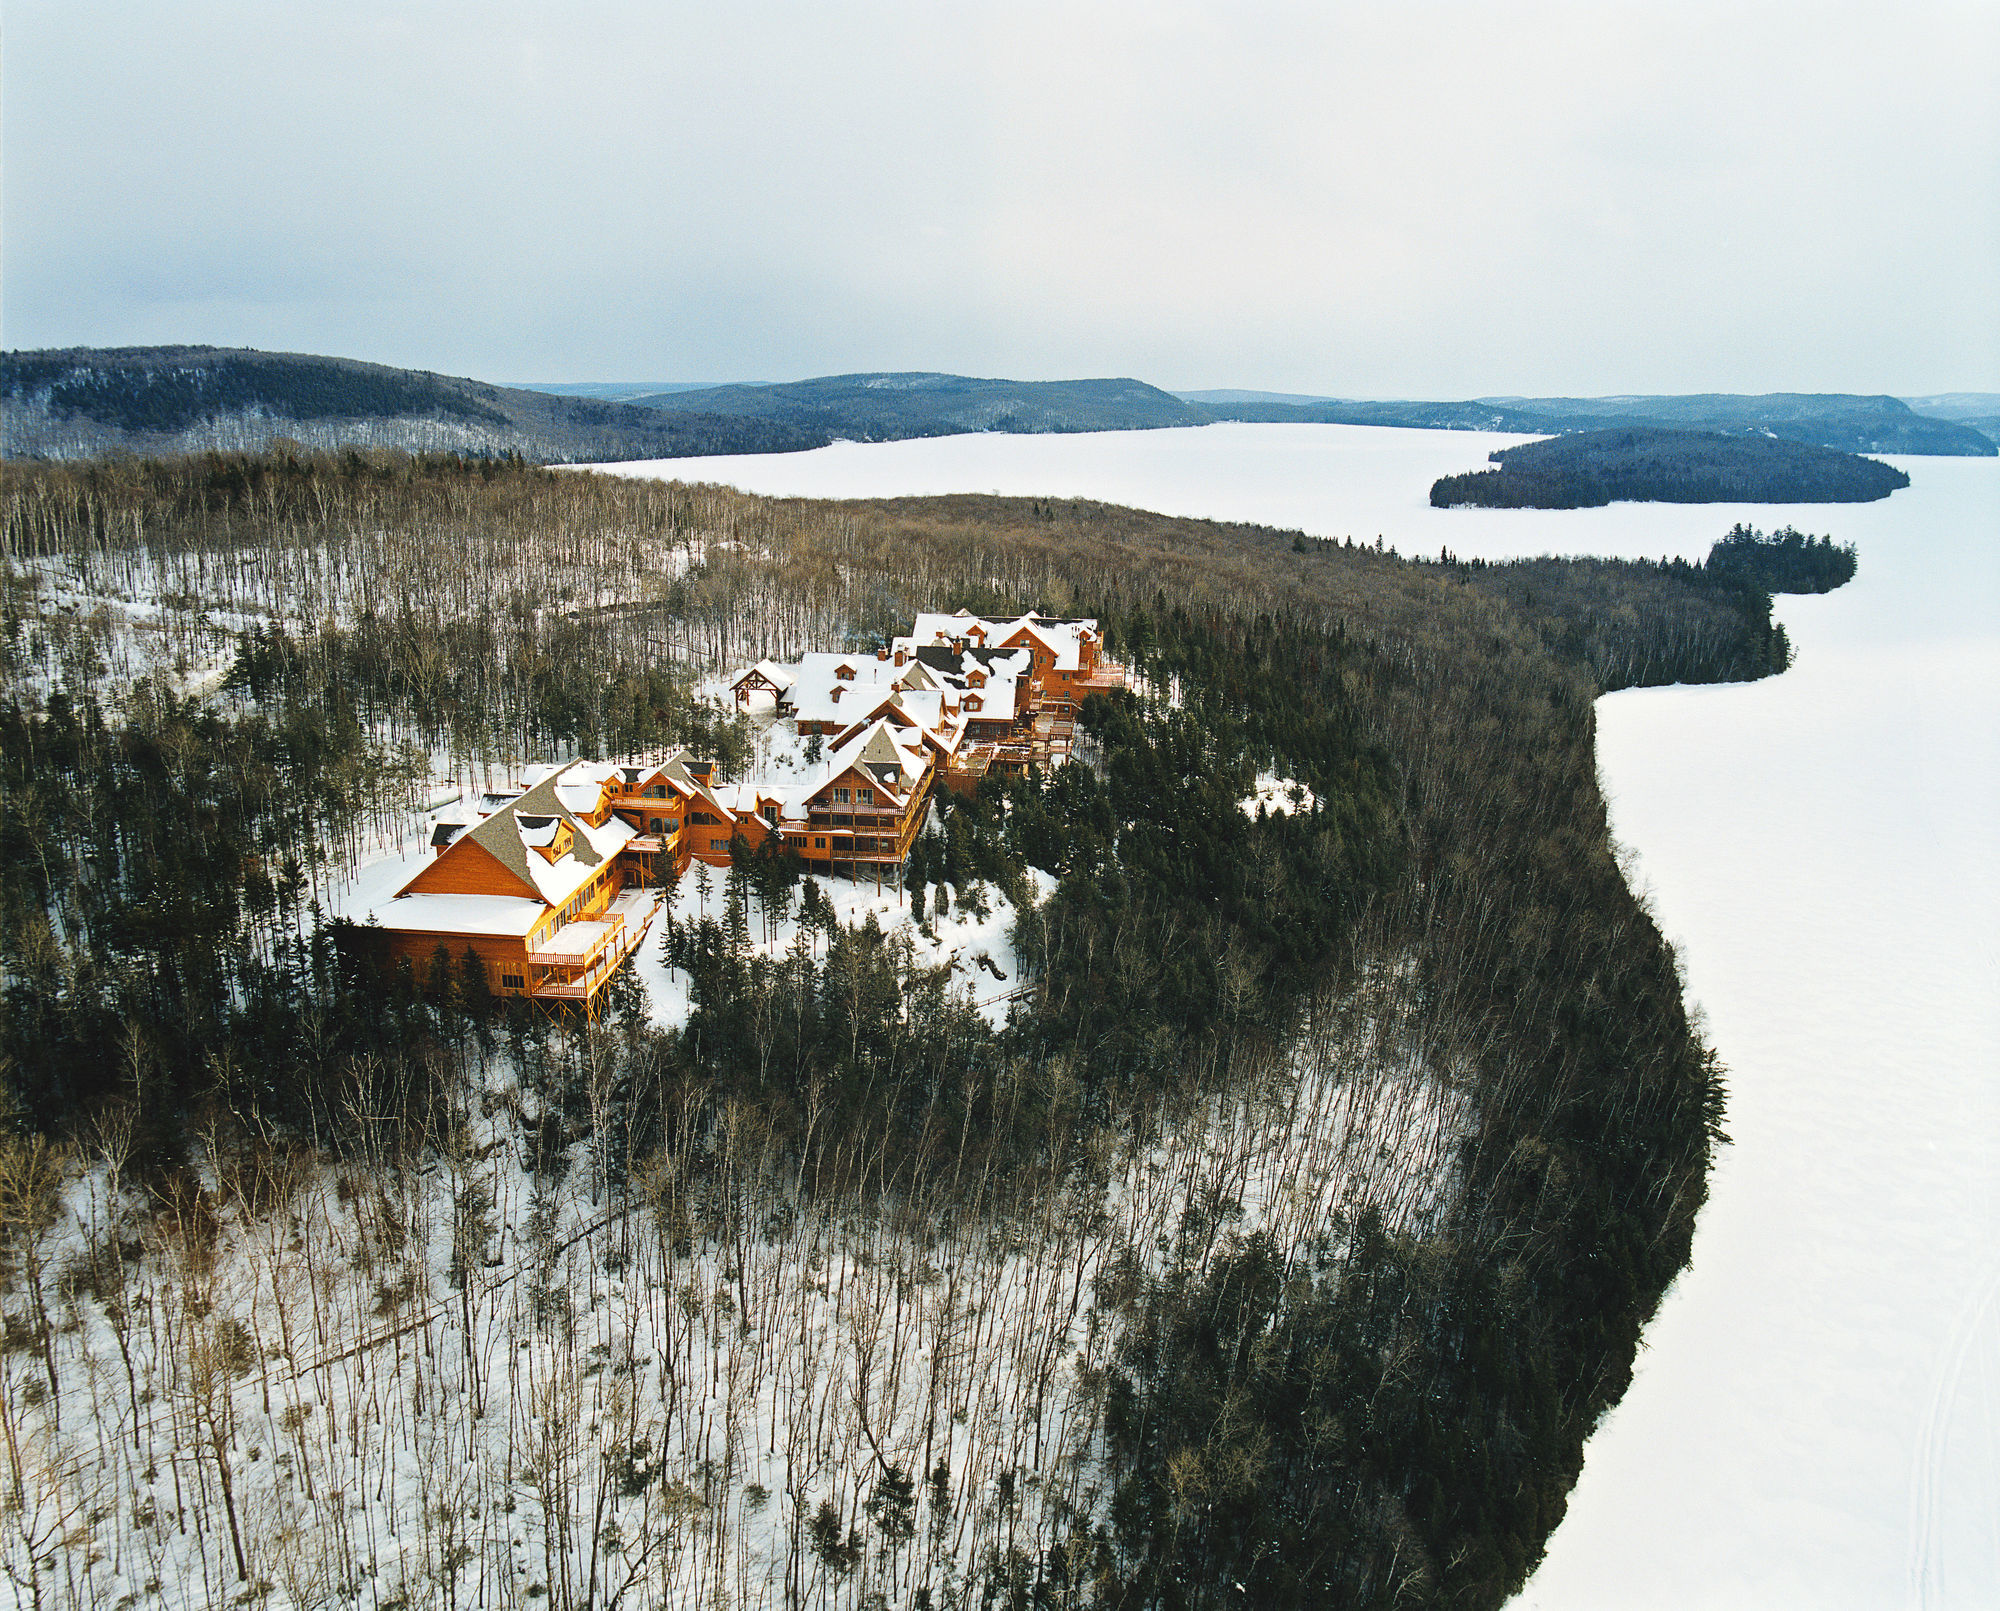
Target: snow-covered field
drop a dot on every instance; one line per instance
(1816, 1418)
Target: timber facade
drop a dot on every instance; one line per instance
(558, 882)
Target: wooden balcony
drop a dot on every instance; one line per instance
(574, 962)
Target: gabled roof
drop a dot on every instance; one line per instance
(779, 677)
(816, 677)
(1061, 637)
(514, 834)
(1006, 673)
(878, 749)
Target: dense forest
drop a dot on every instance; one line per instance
(1592, 468)
(85, 401)
(1285, 1241)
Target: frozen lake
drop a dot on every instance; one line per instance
(1816, 1415)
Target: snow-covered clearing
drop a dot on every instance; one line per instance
(1816, 1416)
(1276, 797)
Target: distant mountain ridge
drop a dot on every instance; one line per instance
(80, 402)
(888, 406)
(1849, 422)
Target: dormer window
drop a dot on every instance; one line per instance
(844, 673)
(836, 696)
(973, 702)
(550, 836)
(977, 679)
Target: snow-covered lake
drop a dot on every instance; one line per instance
(1816, 1416)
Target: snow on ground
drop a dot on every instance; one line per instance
(979, 950)
(1816, 1416)
(395, 1383)
(1276, 796)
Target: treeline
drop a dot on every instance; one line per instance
(1787, 561)
(1588, 469)
(1384, 1413)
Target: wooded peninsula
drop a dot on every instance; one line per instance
(1279, 1244)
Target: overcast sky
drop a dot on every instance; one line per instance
(1383, 200)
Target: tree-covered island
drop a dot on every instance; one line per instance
(1588, 469)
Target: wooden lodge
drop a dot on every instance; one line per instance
(558, 882)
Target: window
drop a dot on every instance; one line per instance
(657, 824)
(840, 796)
(657, 792)
(771, 815)
(513, 981)
(819, 841)
(718, 844)
(865, 796)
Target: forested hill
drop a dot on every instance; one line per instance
(1592, 468)
(1853, 424)
(78, 402)
(888, 407)
(1436, 1120)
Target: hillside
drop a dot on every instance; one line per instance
(1978, 410)
(1280, 1245)
(79, 402)
(1590, 468)
(888, 407)
(1850, 423)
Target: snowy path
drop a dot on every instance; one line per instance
(1816, 1418)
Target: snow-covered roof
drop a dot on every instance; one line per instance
(1061, 637)
(895, 761)
(515, 834)
(998, 678)
(503, 916)
(826, 687)
(573, 939)
(780, 677)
